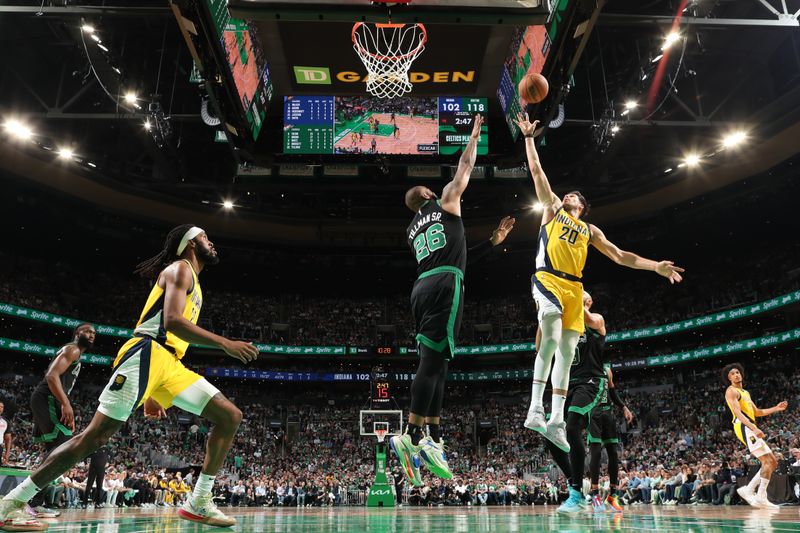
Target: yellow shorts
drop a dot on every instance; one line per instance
(144, 369)
(554, 295)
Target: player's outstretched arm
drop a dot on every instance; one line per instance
(766, 412)
(631, 260)
(177, 279)
(451, 196)
(732, 397)
(550, 202)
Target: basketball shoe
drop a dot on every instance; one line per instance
(203, 509)
(557, 434)
(613, 503)
(574, 503)
(597, 504)
(408, 455)
(432, 454)
(535, 420)
(748, 496)
(18, 516)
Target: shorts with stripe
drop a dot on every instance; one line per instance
(755, 445)
(557, 296)
(437, 304)
(602, 426)
(47, 426)
(145, 369)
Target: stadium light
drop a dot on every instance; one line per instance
(630, 105)
(96, 38)
(692, 160)
(659, 56)
(670, 39)
(130, 97)
(17, 129)
(614, 128)
(227, 204)
(65, 153)
(101, 47)
(537, 207)
(88, 28)
(147, 125)
(668, 171)
(734, 139)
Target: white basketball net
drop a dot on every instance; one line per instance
(381, 434)
(387, 51)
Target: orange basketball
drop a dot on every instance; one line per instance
(533, 88)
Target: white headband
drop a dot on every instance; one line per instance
(190, 234)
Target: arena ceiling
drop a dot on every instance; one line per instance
(737, 67)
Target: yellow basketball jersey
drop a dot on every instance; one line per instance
(151, 322)
(748, 410)
(563, 246)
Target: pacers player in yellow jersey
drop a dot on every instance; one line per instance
(148, 370)
(744, 425)
(557, 288)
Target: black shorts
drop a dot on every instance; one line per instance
(437, 304)
(602, 426)
(47, 426)
(585, 395)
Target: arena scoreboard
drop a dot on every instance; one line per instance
(381, 390)
(365, 125)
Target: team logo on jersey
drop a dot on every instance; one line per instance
(119, 381)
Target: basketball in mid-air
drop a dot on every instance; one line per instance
(533, 88)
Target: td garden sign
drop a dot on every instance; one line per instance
(324, 76)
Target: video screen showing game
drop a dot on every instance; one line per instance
(527, 54)
(366, 125)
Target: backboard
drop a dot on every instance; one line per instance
(371, 419)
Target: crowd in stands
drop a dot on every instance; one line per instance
(378, 321)
(303, 448)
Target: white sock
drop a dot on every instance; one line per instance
(537, 393)
(24, 491)
(204, 485)
(762, 489)
(557, 415)
(754, 482)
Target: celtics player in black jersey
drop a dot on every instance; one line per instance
(436, 238)
(53, 416)
(587, 407)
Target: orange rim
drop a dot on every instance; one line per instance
(416, 50)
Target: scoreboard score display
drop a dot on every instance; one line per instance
(365, 125)
(381, 391)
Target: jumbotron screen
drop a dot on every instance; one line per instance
(365, 125)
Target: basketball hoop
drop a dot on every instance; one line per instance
(387, 51)
(381, 434)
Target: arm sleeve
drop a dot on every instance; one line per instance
(615, 399)
(479, 251)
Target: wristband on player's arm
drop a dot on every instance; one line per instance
(615, 399)
(479, 251)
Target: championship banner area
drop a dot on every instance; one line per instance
(10, 478)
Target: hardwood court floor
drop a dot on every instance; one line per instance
(446, 519)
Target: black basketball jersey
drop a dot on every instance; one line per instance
(68, 379)
(588, 362)
(436, 238)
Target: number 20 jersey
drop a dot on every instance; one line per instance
(436, 238)
(563, 245)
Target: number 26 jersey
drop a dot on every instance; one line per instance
(436, 238)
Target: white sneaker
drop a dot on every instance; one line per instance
(748, 496)
(764, 503)
(18, 516)
(557, 434)
(535, 420)
(44, 512)
(203, 509)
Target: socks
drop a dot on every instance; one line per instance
(24, 491)
(415, 432)
(762, 489)
(204, 485)
(537, 393)
(557, 415)
(435, 431)
(754, 482)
